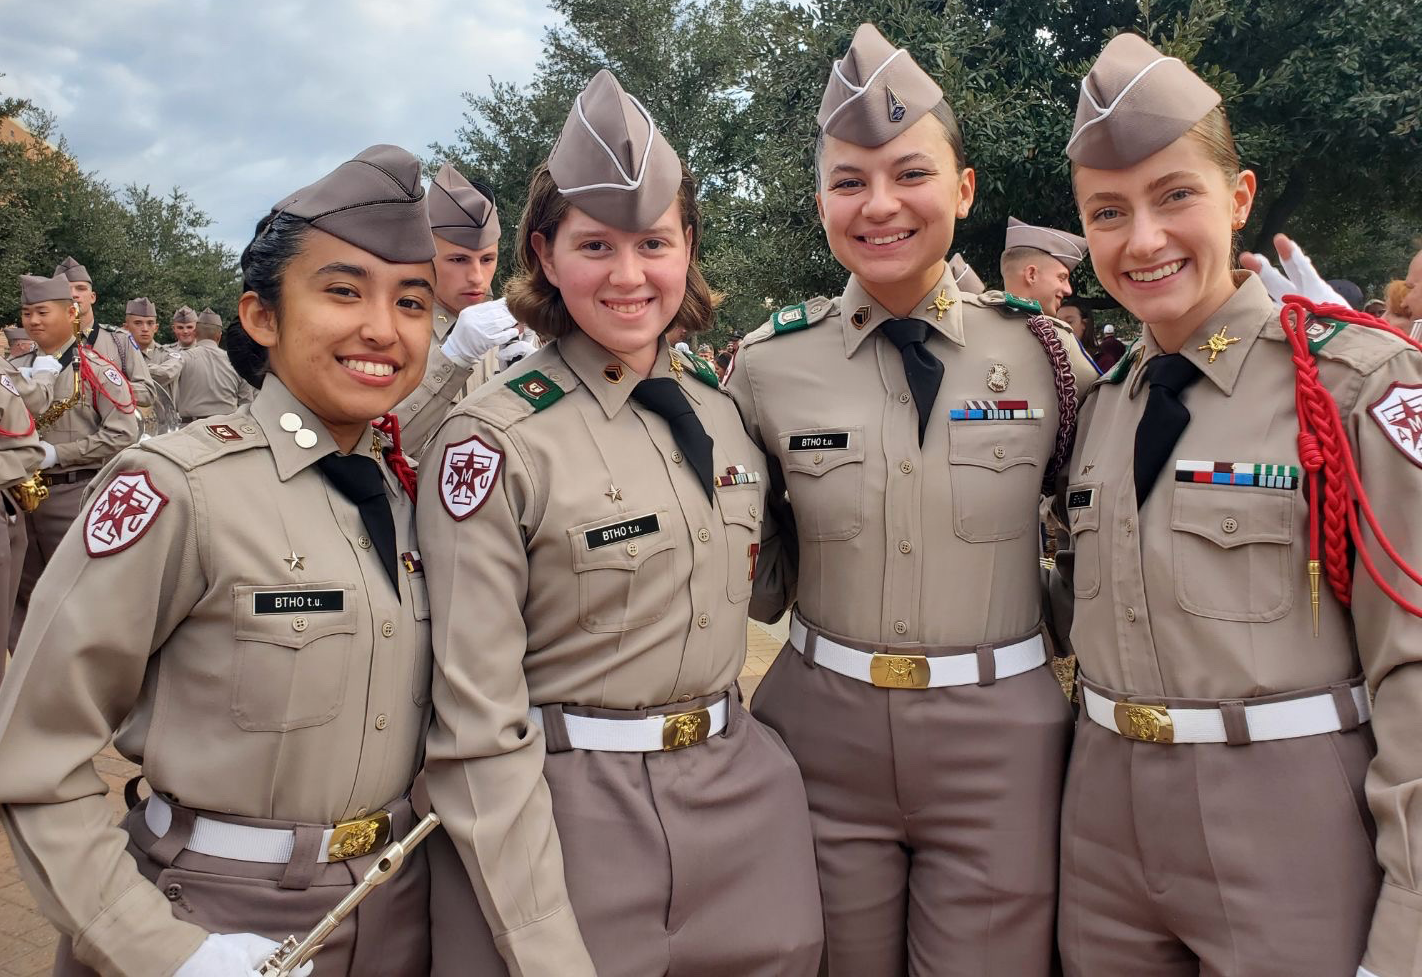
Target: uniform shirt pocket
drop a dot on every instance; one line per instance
(626, 571)
(824, 476)
(1084, 519)
(741, 512)
(424, 658)
(996, 478)
(293, 650)
(1232, 551)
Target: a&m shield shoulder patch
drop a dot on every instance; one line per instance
(1399, 413)
(467, 475)
(113, 376)
(9, 385)
(122, 513)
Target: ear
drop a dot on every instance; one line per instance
(1029, 274)
(544, 249)
(258, 321)
(820, 206)
(1244, 188)
(967, 191)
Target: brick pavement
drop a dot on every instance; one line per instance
(27, 941)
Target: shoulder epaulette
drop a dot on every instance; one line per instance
(1320, 331)
(1029, 306)
(1359, 347)
(793, 318)
(702, 370)
(1005, 303)
(206, 441)
(536, 388)
(1119, 372)
(529, 392)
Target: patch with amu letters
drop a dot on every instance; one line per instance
(1399, 414)
(122, 514)
(467, 475)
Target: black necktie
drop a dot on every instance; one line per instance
(1164, 419)
(663, 396)
(358, 479)
(922, 369)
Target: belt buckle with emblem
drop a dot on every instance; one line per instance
(899, 671)
(1145, 723)
(361, 836)
(683, 729)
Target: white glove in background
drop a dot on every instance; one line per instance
(514, 352)
(50, 458)
(1301, 278)
(232, 955)
(478, 329)
(45, 364)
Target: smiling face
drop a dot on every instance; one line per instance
(889, 211)
(185, 333)
(351, 334)
(1160, 234)
(463, 276)
(49, 324)
(622, 288)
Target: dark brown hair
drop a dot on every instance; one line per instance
(536, 302)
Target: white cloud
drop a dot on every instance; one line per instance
(240, 103)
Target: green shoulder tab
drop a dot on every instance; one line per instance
(1321, 331)
(1030, 306)
(703, 371)
(537, 389)
(791, 318)
(1119, 372)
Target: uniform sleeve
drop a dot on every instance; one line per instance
(1390, 646)
(167, 369)
(20, 451)
(421, 412)
(777, 568)
(118, 428)
(75, 677)
(37, 394)
(135, 367)
(484, 762)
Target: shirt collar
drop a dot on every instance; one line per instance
(273, 403)
(861, 314)
(443, 322)
(1242, 317)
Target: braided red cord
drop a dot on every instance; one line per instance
(86, 371)
(20, 434)
(395, 455)
(1065, 382)
(1323, 446)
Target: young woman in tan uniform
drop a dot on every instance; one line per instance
(593, 520)
(1234, 601)
(233, 607)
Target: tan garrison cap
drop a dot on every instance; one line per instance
(875, 92)
(37, 288)
(461, 212)
(185, 314)
(140, 307)
(73, 271)
(375, 201)
(1134, 102)
(611, 161)
(1066, 248)
(964, 277)
(212, 318)
(15, 334)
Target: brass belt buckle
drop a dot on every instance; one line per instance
(899, 671)
(351, 839)
(684, 729)
(1147, 723)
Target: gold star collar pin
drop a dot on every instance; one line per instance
(1218, 343)
(941, 303)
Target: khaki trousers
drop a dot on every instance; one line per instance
(935, 817)
(1213, 860)
(388, 934)
(45, 527)
(693, 863)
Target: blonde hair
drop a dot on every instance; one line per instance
(1396, 296)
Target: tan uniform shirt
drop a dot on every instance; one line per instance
(902, 544)
(118, 347)
(20, 452)
(208, 385)
(591, 570)
(99, 424)
(164, 364)
(231, 705)
(1204, 593)
(37, 393)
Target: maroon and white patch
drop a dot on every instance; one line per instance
(223, 432)
(122, 514)
(113, 376)
(1399, 414)
(467, 476)
(9, 385)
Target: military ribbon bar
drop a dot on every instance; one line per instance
(1238, 473)
(737, 475)
(997, 410)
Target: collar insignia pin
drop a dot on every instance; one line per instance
(941, 303)
(861, 316)
(676, 366)
(1217, 343)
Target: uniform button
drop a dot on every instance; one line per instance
(999, 452)
(381, 721)
(631, 549)
(685, 697)
(443, 372)
(248, 429)
(676, 457)
(360, 812)
(388, 629)
(906, 467)
(1130, 526)
(1130, 614)
(900, 627)
(363, 542)
(1230, 524)
(819, 457)
(703, 621)
(704, 535)
(555, 377)
(903, 398)
(174, 892)
(905, 546)
(755, 512)
(415, 408)
(298, 624)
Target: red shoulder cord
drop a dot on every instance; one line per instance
(395, 456)
(86, 371)
(1324, 452)
(20, 434)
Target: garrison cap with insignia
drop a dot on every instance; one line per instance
(374, 201)
(964, 277)
(209, 317)
(611, 161)
(462, 212)
(37, 288)
(140, 307)
(1069, 249)
(185, 314)
(875, 92)
(73, 271)
(1134, 102)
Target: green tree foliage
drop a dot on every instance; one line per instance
(134, 242)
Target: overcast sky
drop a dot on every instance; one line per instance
(239, 102)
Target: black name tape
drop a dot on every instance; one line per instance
(819, 442)
(624, 530)
(1081, 499)
(298, 601)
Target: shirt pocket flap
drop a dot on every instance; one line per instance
(629, 542)
(740, 505)
(293, 616)
(816, 461)
(1083, 506)
(1230, 517)
(996, 445)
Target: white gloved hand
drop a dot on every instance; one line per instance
(50, 458)
(1302, 278)
(232, 955)
(514, 352)
(479, 329)
(45, 364)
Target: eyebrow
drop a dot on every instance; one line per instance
(416, 283)
(1106, 196)
(342, 268)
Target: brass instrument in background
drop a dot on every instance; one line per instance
(59, 408)
(30, 493)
